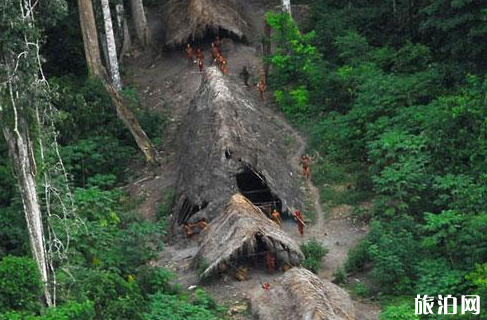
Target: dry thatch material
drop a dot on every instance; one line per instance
(190, 19)
(301, 295)
(234, 234)
(229, 144)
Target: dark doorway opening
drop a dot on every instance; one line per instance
(188, 209)
(210, 35)
(253, 258)
(254, 187)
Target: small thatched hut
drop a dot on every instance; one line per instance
(229, 144)
(187, 20)
(301, 295)
(241, 231)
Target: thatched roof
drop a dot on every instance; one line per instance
(190, 19)
(301, 295)
(226, 134)
(234, 232)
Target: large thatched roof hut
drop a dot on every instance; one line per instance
(301, 295)
(243, 230)
(230, 144)
(187, 20)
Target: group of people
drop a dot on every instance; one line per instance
(198, 56)
(298, 217)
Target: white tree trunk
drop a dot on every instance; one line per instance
(111, 46)
(286, 6)
(21, 152)
(125, 34)
(140, 22)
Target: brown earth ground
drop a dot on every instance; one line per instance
(167, 83)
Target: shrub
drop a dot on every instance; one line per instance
(171, 307)
(360, 290)
(339, 276)
(314, 253)
(358, 256)
(152, 280)
(113, 296)
(20, 284)
(399, 312)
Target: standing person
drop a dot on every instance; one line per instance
(215, 51)
(245, 75)
(300, 221)
(224, 67)
(305, 162)
(262, 86)
(200, 57)
(199, 54)
(218, 43)
(189, 53)
(270, 261)
(276, 217)
(200, 65)
(220, 60)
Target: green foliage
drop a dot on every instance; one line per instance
(339, 276)
(437, 276)
(112, 237)
(7, 181)
(479, 278)
(155, 126)
(392, 253)
(20, 284)
(113, 297)
(98, 155)
(13, 230)
(402, 311)
(170, 307)
(314, 253)
(294, 65)
(152, 280)
(395, 97)
(358, 257)
(68, 311)
(360, 290)
(86, 110)
(452, 27)
(71, 311)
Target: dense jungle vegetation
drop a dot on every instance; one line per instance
(393, 97)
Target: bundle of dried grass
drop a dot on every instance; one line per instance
(300, 294)
(234, 233)
(190, 19)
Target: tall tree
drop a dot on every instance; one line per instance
(23, 91)
(286, 6)
(90, 40)
(124, 30)
(111, 46)
(140, 22)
